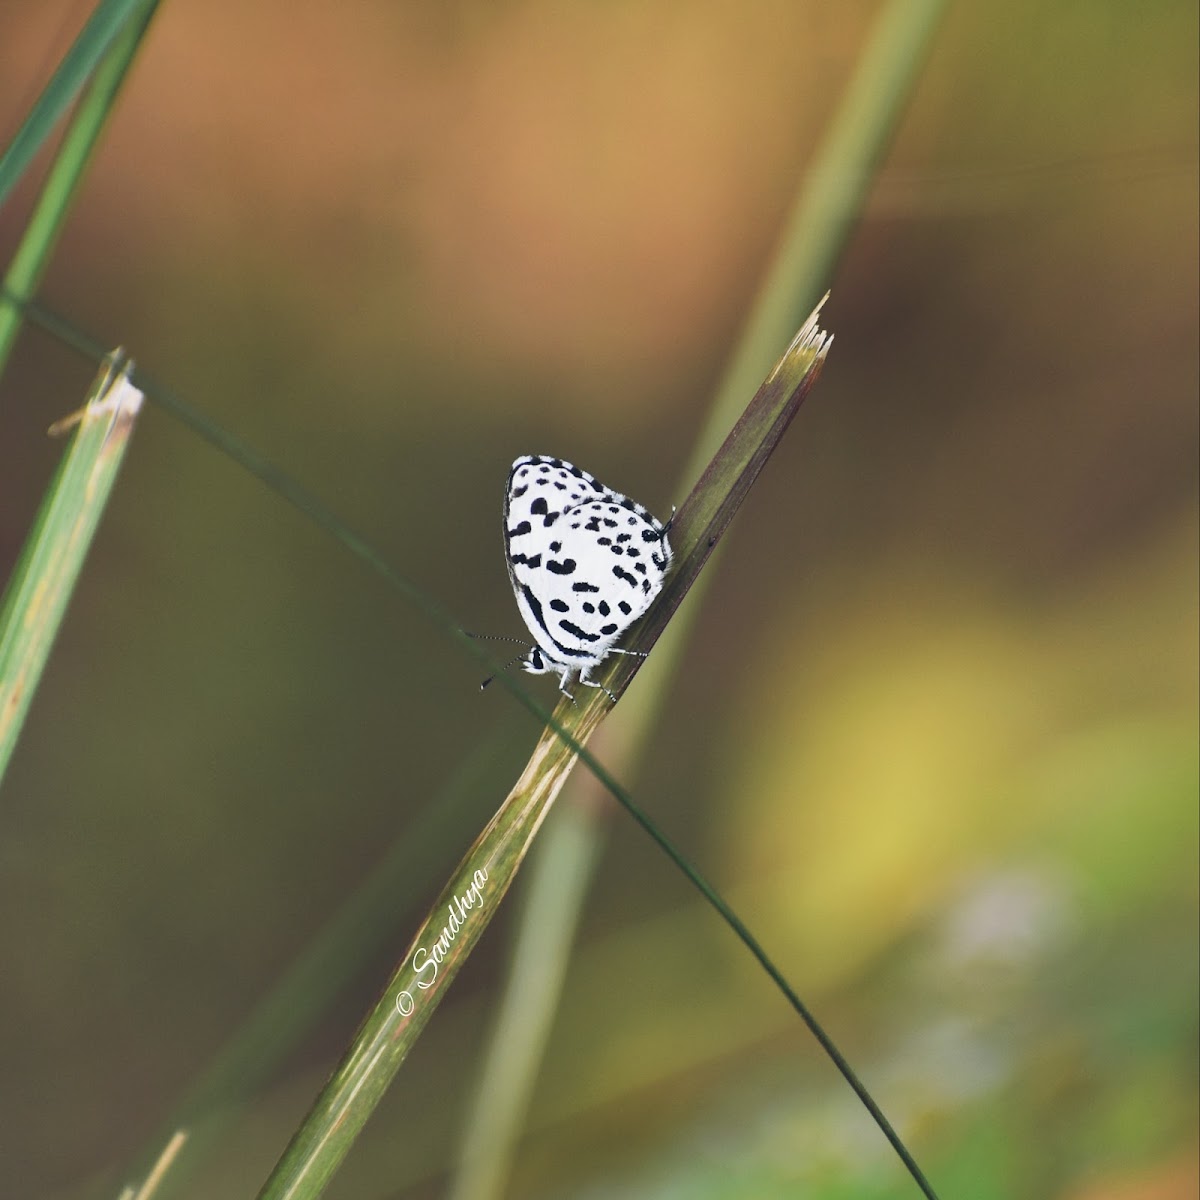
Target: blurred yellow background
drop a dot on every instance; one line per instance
(935, 734)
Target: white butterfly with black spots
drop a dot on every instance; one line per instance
(584, 562)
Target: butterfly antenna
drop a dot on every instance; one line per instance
(670, 521)
(511, 662)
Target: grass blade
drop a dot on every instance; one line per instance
(830, 200)
(557, 882)
(474, 892)
(114, 44)
(823, 214)
(108, 18)
(37, 595)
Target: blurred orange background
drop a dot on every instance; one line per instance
(936, 732)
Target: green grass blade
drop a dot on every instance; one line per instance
(829, 200)
(108, 18)
(45, 576)
(557, 882)
(822, 216)
(114, 43)
(474, 892)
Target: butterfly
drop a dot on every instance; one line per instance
(584, 562)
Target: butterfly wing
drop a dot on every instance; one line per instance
(584, 561)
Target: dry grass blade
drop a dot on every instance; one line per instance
(471, 898)
(706, 513)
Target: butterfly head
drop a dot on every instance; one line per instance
(538, 662)
(535, 663)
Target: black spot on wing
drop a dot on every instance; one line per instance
(604, 609)
(611, 627)
(621, 573)
(565, 566)
(518, 530)
(535, 607)
(560, 606)
(575, 631)
(625, 608)
(584, 587)
(527, 560)
(539, 507)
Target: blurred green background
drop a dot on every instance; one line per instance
(936, 732)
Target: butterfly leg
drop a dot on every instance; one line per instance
(631, 653)
(564, 677)
(592, 683)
